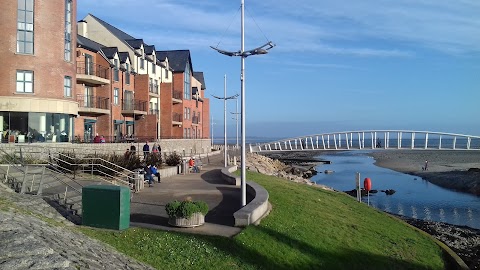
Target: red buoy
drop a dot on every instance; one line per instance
(367, 184)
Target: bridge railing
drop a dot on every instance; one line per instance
(374, 140)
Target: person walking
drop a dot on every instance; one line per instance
(146, 150)
(426, 165)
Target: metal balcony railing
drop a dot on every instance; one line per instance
(92, 69)
(195, 120)
(134, 104)
(176, 117)
(153, 112)
(177, 94)
(91, 101)
(153, 88)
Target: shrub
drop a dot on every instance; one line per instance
(185, 209)
(154, 159)
(173, 159)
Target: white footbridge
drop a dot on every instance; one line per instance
(373, 140)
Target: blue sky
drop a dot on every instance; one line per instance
(337, 66)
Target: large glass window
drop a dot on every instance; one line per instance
(115, 96)
(24, 81)
(68, 30)
(25, 26)
(67, 86)
(142, 63)
(186, 81)
(36, 127)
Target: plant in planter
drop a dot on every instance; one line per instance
(186, 213)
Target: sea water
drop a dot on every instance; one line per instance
(414, 197)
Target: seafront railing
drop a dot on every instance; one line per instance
(374, 140)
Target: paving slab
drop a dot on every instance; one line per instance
(147, 207)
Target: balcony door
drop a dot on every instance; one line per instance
(88, 64)
(88, 98)
(128, 102)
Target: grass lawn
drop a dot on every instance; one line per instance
(308, 228)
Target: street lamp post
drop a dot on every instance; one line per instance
(236, 113)
(225, 98)
(244, 54)
(211, 134)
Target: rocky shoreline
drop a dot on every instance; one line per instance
(450, 169)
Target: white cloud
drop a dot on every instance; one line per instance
(369, 28)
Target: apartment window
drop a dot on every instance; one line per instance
(155, 86)
(150, 85)
(185, 133)
(127, 73)
(68, 30)
(115, 70)
(153, 68)
(115, 96)
(142, 63)
(186, 81)
(166, 73)
(188, 113)
(25, 27)
(184, 113)
(67, 86)
(24, 81)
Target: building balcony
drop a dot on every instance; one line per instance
(153, 112)
(92, 74)
(176, 97)
(195, 120)
(177, 119)
(90, 105)
(132, 107)
(153, 89)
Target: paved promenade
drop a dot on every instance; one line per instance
(148, 206)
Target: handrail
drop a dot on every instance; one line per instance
(25, 172)
(96, 164)
(121, 170)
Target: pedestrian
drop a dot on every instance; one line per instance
(155, 172)
(148, 175)
(146, 150)
(133, 149)
(155, 148)
(426, 165)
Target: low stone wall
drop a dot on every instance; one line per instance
(184, 147)
(255, 209)
(229, 177)
(168, 172)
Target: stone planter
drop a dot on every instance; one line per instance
(195, 220)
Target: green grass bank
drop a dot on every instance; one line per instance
(308, 228)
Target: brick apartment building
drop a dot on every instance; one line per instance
(37, 75)
(168, 99)
(57, 86)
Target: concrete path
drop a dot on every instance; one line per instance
(147, 208)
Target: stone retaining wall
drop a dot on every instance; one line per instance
(255, 209)
(184, 147)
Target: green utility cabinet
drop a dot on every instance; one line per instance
(105, 206)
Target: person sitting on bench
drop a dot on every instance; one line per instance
(191, 164)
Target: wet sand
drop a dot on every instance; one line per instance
(456, 170)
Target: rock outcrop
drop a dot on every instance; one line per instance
(268, 166)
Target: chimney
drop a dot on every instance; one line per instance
(82, 28)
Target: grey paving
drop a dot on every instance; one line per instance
(148, 206)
